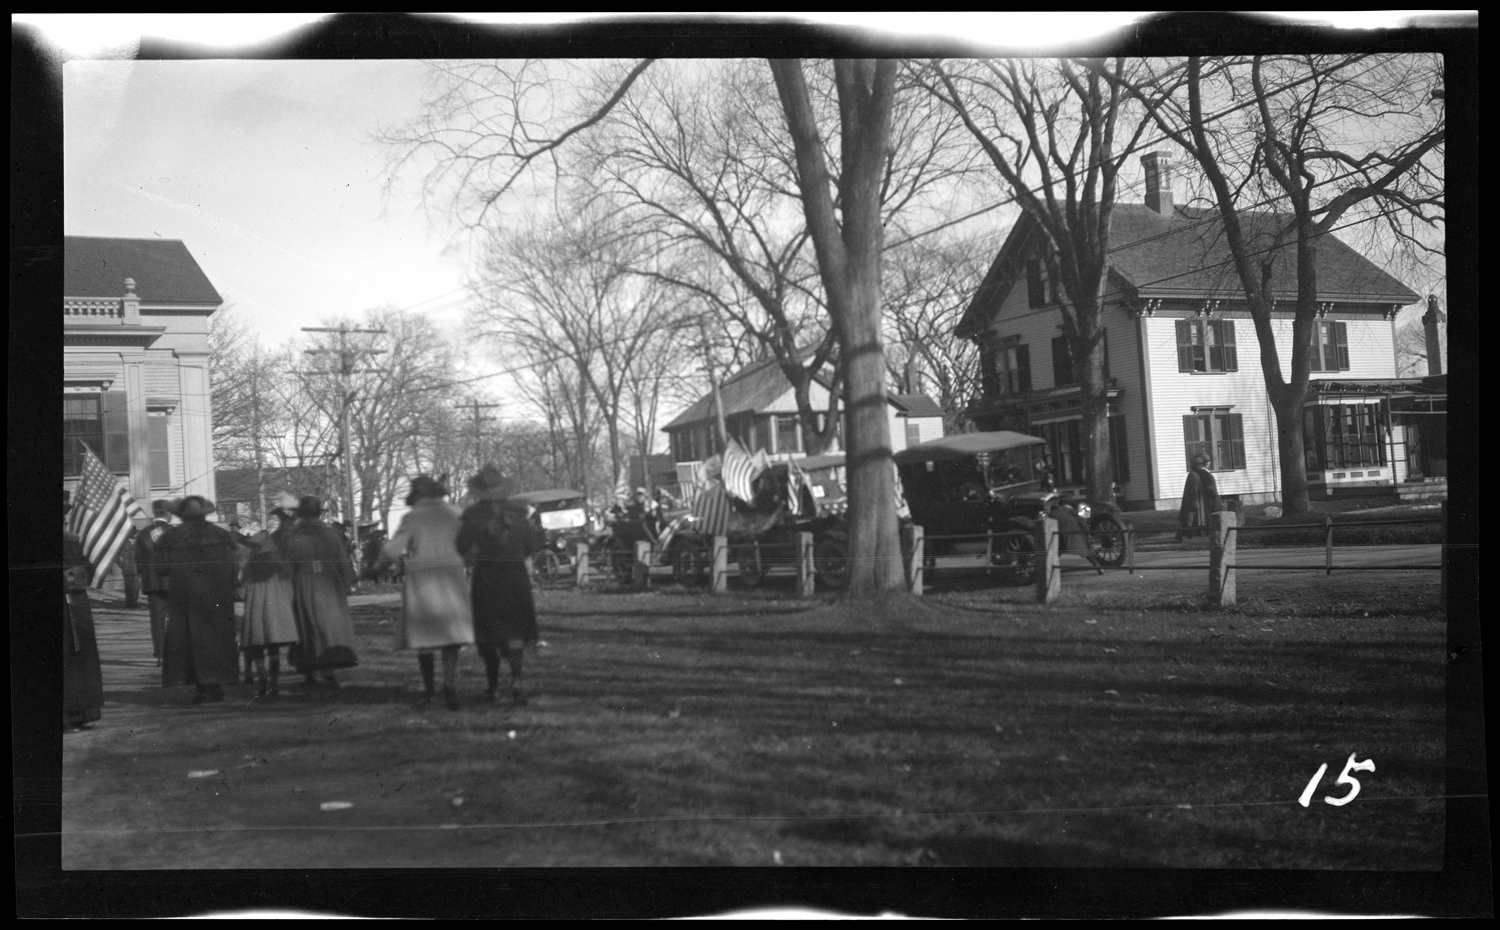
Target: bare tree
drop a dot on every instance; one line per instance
(1058, 132)
(1321, 142)
(929, 283)
(842, 211)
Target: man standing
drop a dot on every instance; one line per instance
(153, 582)
(1200, 497)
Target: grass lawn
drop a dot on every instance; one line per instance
(677, 728)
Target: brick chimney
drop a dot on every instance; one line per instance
(1158, 182)
(1431, 320)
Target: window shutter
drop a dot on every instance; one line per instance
(1104, 347)
(1062, 362)
(1023, 369)
(115, 416)
(1237, 438)
(1189, 438)
(161, 457)
(1231, 352)
(1035, 296)
(1341, 344)
(989, 378)
(1317, 348)
(1184, 345)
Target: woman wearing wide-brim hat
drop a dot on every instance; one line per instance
(435, 610)
(321, 575)
(496, 536)
(201, 564)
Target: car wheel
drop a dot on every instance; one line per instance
(621, 561)
(690, 562)
(548, 566)
(1107, 539)
(752, 571)
(1016, 553)
(831, 561)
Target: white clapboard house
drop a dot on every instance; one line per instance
(1183, 362)
(136, 365)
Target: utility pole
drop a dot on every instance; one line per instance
(347, 358)
(475, 406)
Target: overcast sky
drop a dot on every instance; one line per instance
(265, 171)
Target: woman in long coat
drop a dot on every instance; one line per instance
(496, 536)
(435, 611)
(83, 683)
(321, 576)
(201, 562)
(1200, 497)
(269, 621)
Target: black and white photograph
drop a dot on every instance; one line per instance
(968, 458)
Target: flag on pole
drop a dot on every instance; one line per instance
(101, 514)
(739, 471)
(622, 487)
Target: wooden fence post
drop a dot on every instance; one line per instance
(1328, 544)
(1221, 549)
(642, 567)
(721, 564)
(914, 578)
(581, 566)
(1048, 561)
(1129, 543)
(807, 577)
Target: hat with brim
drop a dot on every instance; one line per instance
(491, 485)
(309, 507)
(195, 506)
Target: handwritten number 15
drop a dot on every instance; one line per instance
(1344, 779)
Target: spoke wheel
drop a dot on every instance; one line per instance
(1107, 539)
(548, 567)
(831, 561)
(689, 562)
(1015, 553)
(752, 571)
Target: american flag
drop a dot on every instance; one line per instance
(101, 515)
(739, 471)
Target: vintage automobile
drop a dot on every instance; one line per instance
(674, 540)
(562, 514)
(765, 537)
(981, 493)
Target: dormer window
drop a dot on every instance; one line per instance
(1040, 289)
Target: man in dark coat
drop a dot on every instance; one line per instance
(1200, 497)
(83, 681)
(153, 582)
(495, 537)
(201, 562)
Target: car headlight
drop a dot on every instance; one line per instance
(1084, 510)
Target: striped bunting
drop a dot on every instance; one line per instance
(711, 509)
(101, 515)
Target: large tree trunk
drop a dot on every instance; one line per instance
(1098, 465)
(874, 533)
(1287, 403)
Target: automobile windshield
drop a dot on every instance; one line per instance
(1011, 467)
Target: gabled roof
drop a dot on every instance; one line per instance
(752, 389)
(1185, 255)
(163, 269)
(915, 405)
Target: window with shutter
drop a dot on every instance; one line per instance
(1341, 345)
(161, 456)
(1206, 346)
(1062, 362)
(1330, 347)
(1187, 357)
(116, 419)
(1216, 434)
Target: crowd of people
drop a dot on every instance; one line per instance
(464, 583)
